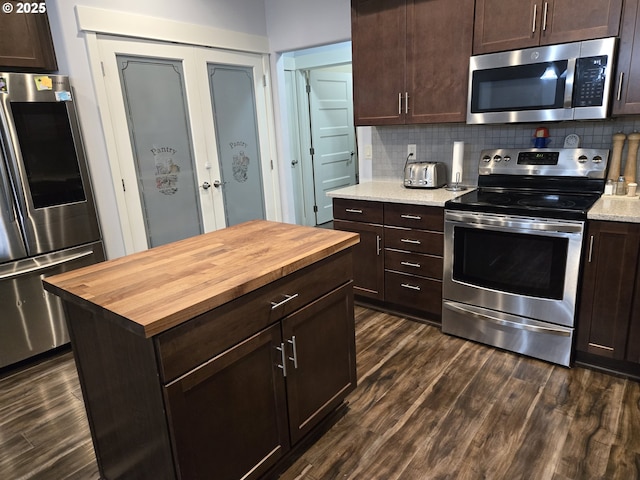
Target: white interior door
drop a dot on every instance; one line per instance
(332, 136)
(163, 128)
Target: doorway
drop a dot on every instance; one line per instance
(191, 128)
(318, 84)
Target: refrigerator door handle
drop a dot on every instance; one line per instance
(45, 266)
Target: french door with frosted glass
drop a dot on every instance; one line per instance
(191, 133)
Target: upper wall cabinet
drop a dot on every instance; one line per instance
(513, 24)
(627, 99)
(25, 42)
(410, 60)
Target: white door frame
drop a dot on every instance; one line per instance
(93, 21)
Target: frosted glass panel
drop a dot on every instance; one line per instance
(234, 110)
(156, 107)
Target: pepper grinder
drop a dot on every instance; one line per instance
(616, 157)
(632, 158)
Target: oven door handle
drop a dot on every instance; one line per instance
(507, 323)
(514, 224)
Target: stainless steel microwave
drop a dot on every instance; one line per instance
(570, 81)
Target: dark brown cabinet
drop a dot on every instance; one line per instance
(227, 389)
(627, 94)
(511, 24)
(608, 288)
(25, 41)
(398, 262)
(410, 60)
(414, 242)
(238, 413)
(364, 218)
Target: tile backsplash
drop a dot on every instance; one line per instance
(435, 142)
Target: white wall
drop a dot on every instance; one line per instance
(296, 25)
(246, 16)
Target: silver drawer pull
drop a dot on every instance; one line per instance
(410, 287)
(288, 298)
(409, 264)
(353, 210)
(411, 217)
(408, 240)
(294, 359)
(283, 367)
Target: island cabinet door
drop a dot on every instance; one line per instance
(321, 369)
(228, 417)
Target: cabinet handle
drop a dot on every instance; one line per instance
(408, 240)
(411, 217)
(406, 103)
(294, 359)
(353, 210)
(288, 298)
(620, 86)
(400, 103)
(282, 358)
(535, 14)
(410, 264)
(378, 244)
(590, 247)
(544, 16)
(410, 287)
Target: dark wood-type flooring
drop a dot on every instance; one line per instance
(428, 406)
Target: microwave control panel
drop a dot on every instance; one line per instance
(588, 89)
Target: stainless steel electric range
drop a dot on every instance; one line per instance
(513, 247)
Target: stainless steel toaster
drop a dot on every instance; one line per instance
(425, 175)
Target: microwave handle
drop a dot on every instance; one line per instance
(568, 89)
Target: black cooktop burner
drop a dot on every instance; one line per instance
(569, 206)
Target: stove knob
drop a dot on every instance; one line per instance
(507, 158)
(497, 158)
(486, 159)
(582, 159)
(597, 159)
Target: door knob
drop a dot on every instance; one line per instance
(218, 183)
(206, 185)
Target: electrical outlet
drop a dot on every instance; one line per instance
(411, 151)
(368, 151)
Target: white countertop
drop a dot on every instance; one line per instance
(616, 209)
(395, 192)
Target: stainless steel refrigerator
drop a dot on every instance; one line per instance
(48, 220)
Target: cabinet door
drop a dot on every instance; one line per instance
(572, 21)
(506, 25)
(378, 42)
(607, 288)
(228, 417)
(627, 99)
(439, 41)
(368, 259)
(25, 42)
(321, 369)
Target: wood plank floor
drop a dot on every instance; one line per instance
(428, 406)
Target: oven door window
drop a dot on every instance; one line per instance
(516, 88)
(523, 264)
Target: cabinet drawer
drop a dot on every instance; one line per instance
(419, 241)
(413, 292)
(195, 341)
(414, 216)
(357, 210)
(414, 263)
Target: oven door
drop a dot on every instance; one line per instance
(527, 267)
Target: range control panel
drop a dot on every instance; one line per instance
(562, 162)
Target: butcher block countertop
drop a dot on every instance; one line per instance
(152, 291)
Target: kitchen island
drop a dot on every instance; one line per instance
(215, 356)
